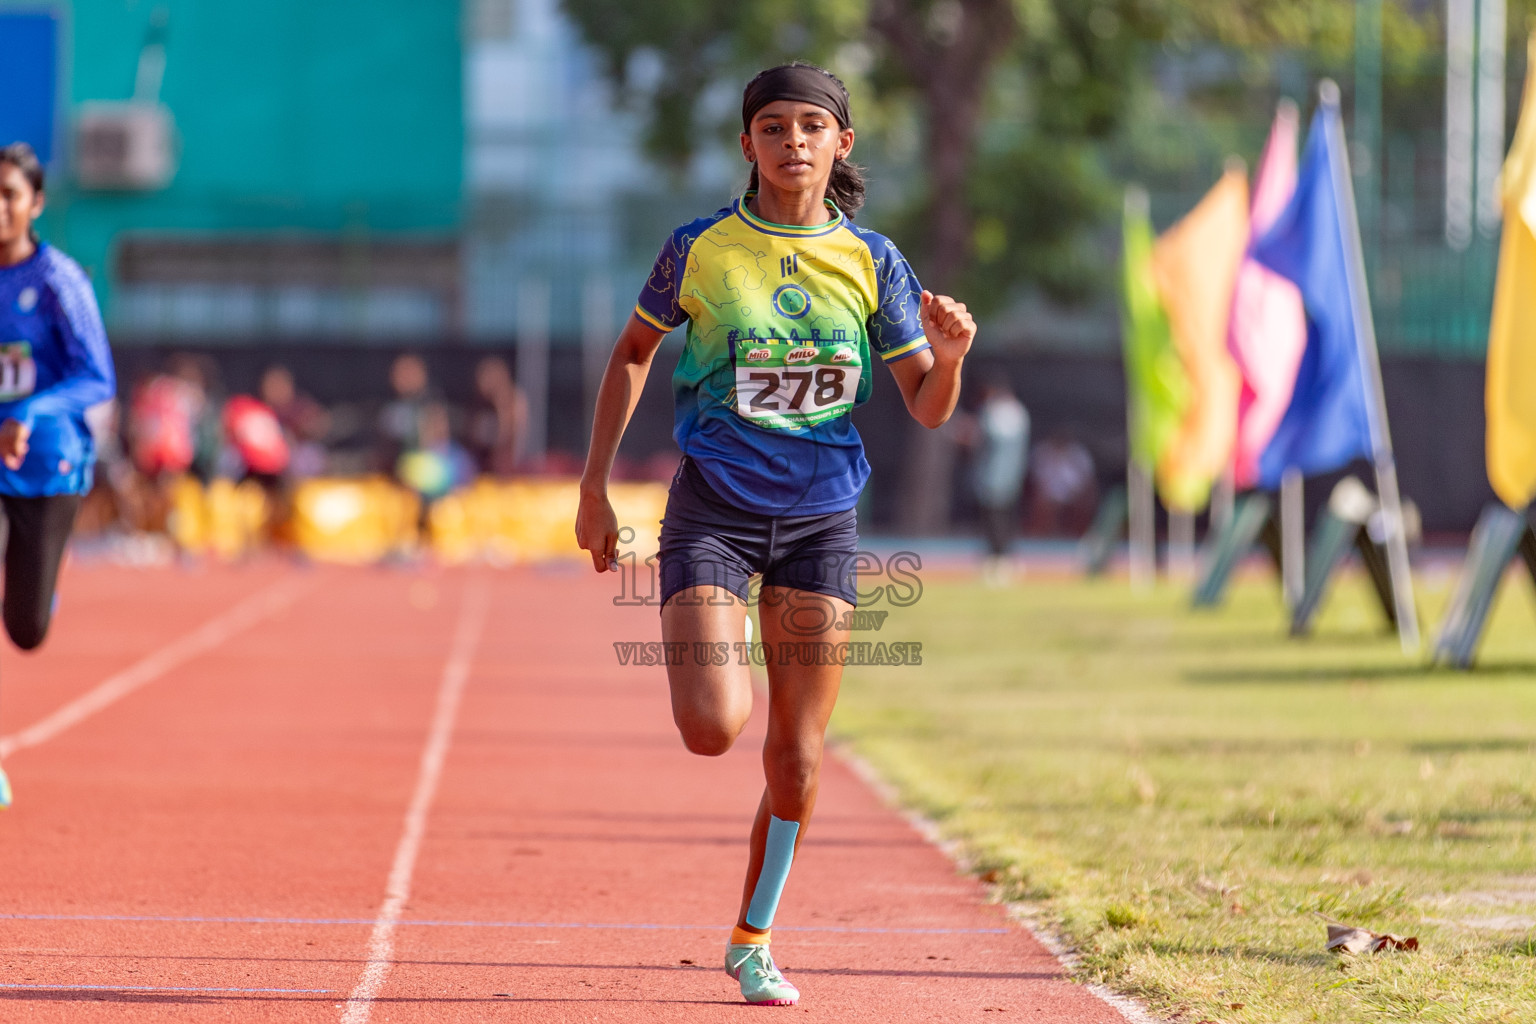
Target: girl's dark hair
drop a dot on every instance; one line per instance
(21, 156)
(846, 186)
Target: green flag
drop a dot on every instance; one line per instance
(1157, 390)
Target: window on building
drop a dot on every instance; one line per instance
(242, 288)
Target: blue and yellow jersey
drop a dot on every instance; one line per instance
(782, 321)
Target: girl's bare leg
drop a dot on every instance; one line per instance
(800, 701)
(710, 703)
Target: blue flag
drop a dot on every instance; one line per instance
(1331, 419)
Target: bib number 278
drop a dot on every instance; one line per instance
(790, 386)
(810, 390)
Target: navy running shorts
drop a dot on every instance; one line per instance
(706, 541)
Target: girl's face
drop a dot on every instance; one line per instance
(20, 205)
(795, 144)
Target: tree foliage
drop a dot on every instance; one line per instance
(1013, 96)
(699, 44)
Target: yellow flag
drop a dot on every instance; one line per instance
(1511, 387)
(1195, 264)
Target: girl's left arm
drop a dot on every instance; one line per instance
(930, 380)
(90, 378)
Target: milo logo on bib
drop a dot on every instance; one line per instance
(787, 385)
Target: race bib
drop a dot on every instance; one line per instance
(18, 373)
(785, 385)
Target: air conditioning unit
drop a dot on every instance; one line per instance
(125, 146)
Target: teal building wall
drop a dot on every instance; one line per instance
(323, 117)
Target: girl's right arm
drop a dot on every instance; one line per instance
(597, 529)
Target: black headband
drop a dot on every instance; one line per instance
(794, 82)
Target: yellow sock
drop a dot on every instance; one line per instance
(741, 937)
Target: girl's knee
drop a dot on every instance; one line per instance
(793, 770)
(707, 741)
(708, 736)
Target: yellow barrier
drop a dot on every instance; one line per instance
(365, 520)
(224, 519)
(511, 522)
(356, 522)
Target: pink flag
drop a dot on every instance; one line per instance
(1268, 331)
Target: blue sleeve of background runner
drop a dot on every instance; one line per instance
(778, 854)
(896, 326)
(84, 360)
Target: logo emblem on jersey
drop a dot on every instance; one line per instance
(843, 356)
(759, 355)
(26, 302)
(799, 355)
(792, 301)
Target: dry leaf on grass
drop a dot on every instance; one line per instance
(1344, 939)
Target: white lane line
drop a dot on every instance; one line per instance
(381, 943)
(172, 656)
(1128, 1008)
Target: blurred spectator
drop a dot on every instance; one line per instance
(399, 425)
(435, 465)
(201, 373)
(1064, 490)
(498, 418)
(173, 429)
(119, 501)
(256, 441)
(257, 449)
(304, 421)
(999, 437)
(168, 423)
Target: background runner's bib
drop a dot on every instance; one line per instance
(18, 372)
(786, 385)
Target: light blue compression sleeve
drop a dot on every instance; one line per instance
(778, 854)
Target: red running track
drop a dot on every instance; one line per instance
(349, 795)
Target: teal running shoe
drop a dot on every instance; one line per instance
(5, 790)
(761, 982)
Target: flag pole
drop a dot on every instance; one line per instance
(1181, 544)
(1365, 334)
(1142, 525)
(1223, 503)
(1141, 512)
(1293, 536)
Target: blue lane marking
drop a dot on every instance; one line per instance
(168, 988)
(621, 926)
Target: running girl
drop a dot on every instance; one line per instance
(54, 364)
(785, 299)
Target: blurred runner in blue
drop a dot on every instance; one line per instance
(54, 365)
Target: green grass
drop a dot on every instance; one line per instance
(1183, 797)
